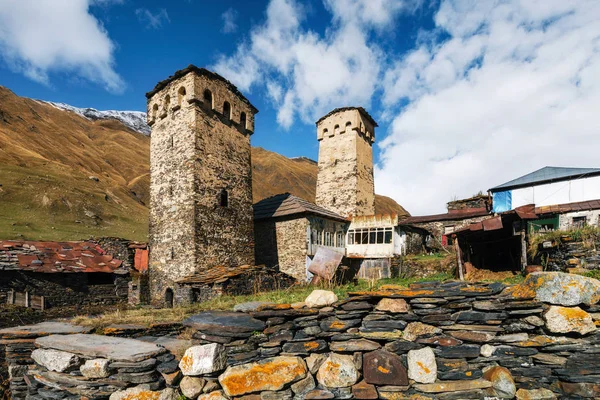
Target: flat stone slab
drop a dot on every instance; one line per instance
(42, 329)
(175, 346)
(97, 346)
(251, 306)
(224, 321)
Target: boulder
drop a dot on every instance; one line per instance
(55, 360)
(568, 320)
(417, 329)
(304, 386)
(422, 367)
(251, 306)
(381, 367)
(393, 305)
(137, 392)
(535, 394)
(338, 371)
(557, 288)
(503, 384)
(452, 386)
(216, 395)
(203, 359)
(363, 390)
(268, 374)
(96, 368)
(487, 350)
(224, 322)
(98, 346)
(320, 298)
(191, 386)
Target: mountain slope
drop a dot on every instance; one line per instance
(64, 176)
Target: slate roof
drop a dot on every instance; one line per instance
(286, 204)
(56, 257)
(449, 216)
(547, 175)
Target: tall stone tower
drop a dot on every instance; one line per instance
(201, 180)
(345, 179)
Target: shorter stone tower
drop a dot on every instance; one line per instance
(345, 179)
(200, 180)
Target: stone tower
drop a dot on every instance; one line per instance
(345, 179)
(200, 180)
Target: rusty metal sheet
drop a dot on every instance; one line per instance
(325, 263)
(492, 224)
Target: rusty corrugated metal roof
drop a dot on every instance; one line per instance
(56, 257)
(449, 216)
(569, 207)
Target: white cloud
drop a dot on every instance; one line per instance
(229, 18)
(44, 37)
(511, 87)
(307, 74)
(150, 20)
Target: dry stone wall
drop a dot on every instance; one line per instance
(452, 340)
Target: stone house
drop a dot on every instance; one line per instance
(201, 180)
(66, 273)
(289, 230)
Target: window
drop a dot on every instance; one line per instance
(180, 95)
(328, 239)
(243, 120)
(339, 239)
(223, 198)
(336, 129)
(579, 222)
(348, 124)
(227, 110)
(325, 132)
(172, 253)
(208, 99)
(154, 111)
(388, 236)
(370, 236)
(167, 103)
(170, 142)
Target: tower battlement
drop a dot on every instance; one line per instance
(345, 182)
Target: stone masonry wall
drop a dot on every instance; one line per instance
(345, 179)
(197, 153)
(68, 288)
(437, 228)
(281, 244)
(452, 340)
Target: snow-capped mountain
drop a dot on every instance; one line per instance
(135, 120)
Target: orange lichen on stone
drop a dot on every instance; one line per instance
(395, 293)
(423, 367)
(383, 370)
(337, 325)
(575, 314)
(468, 373)
(186, 362)
(272, 374)
(311, 345)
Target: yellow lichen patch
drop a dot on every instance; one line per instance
(311, 345)
(186, 363)
(337, 325)
(468, 373)
(423, 367)
(383, 370)
(574, 314)
(271, 375)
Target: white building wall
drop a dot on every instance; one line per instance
(558, 193)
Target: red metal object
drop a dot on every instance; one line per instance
(140, 262)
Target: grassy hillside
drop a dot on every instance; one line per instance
(63, 177)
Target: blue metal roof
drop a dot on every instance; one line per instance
(547, 175)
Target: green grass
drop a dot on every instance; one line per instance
(428, 257)
(593, 274)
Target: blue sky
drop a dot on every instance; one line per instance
(468, 93)
(152, 39)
